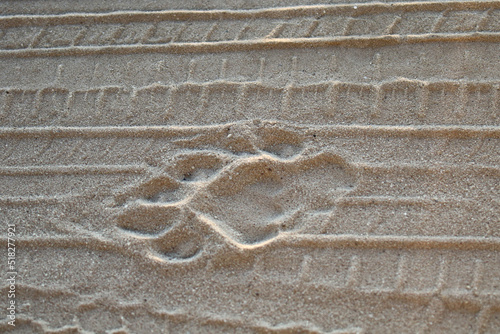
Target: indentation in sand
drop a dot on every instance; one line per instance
(247, 200)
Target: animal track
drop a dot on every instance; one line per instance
(246, 200)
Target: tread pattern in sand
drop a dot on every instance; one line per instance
(440, 103)
(313, 22)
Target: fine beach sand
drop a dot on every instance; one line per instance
(231, 166)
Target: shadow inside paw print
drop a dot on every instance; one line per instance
(262, 197)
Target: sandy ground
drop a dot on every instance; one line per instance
(239, 167)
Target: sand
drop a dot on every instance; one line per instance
(229, 166)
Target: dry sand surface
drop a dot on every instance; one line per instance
(234, 166)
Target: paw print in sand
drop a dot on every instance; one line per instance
(205, 197)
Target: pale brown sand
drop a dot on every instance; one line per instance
(232, 167)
